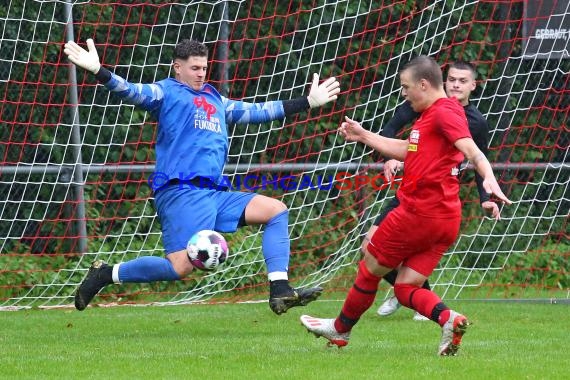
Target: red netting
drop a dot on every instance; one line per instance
(75, 161)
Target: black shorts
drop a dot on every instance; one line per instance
(395, 202)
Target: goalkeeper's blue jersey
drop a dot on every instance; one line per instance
(192, 137)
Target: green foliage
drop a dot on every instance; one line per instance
(28, 270)
(272, 46)
(547, 267)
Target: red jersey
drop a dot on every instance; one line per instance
(430, 186)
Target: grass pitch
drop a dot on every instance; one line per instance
(247, 341)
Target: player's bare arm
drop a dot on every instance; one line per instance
(351, 130)
(468, 147)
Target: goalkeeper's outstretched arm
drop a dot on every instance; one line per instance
(145, 96)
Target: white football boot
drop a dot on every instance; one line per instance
(325, 328)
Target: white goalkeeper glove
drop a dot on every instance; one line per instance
(88, 60)
(323, 93)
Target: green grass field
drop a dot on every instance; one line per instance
(247, 341)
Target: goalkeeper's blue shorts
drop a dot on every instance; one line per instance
(183, 211)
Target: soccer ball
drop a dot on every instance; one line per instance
(207, 249)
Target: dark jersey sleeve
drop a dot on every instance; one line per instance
(293, 106)
(103, 75)
(403, 116)
(479, 129)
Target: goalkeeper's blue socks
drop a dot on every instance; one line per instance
(147, 269)
(276, 247)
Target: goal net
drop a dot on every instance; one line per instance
(75, 161)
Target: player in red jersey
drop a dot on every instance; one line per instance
(429, 199)
(460, 83)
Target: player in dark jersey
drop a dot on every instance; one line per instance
(429, 197)
(460, 83)
(191, 151)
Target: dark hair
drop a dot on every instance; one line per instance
(464, 65)
(190, 48)
(424, 67)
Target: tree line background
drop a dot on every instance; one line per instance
(39, 210)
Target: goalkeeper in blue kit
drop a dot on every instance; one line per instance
(191, 150)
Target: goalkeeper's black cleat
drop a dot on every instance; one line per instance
(280, 303)
(97, 278)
